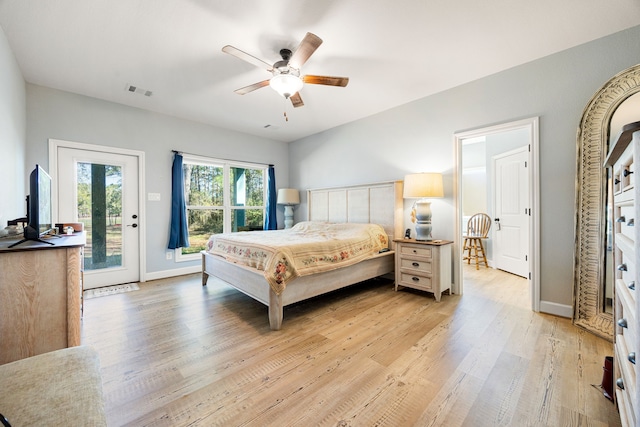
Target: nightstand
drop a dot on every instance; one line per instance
(423, 265)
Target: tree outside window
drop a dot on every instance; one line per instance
(221, 198)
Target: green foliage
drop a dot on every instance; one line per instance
(204, 194)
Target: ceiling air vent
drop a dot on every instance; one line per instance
(138, 90)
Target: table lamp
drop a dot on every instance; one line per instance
(289, 197)
(421, 186)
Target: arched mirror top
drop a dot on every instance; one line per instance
(594, 132)
(627, 112)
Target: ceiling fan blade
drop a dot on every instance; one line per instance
(251, 88)
(296, 100)
(246, 57)
(326, 80)
(307, 46)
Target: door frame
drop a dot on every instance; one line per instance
(532, 125)
(54, 144)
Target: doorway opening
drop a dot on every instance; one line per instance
(488, 147)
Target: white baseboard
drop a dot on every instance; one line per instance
(556, 309)
(173, 272)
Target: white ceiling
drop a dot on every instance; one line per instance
(392, 51)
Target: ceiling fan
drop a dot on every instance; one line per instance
(286, 78)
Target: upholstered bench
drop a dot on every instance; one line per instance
(59, 388)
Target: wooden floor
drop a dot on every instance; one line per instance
(175, 353)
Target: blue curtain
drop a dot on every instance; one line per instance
(179, 235)
(270, 220)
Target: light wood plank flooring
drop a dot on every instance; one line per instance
(175, 353)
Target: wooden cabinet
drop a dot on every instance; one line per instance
(40, 296)
(622, 161)
(423, 265)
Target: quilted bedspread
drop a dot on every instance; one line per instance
(306, 248)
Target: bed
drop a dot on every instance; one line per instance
(379, 204)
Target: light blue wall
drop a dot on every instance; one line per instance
(419, 137)
(12, 136)
(62, 115)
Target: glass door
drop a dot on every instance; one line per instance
(100, 190)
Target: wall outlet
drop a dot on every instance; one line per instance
(169, 255)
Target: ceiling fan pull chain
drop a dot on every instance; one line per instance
(286, 104)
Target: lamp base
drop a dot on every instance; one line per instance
(288, 216)
(423, 232)
(423, 221)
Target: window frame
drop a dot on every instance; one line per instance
(227, 208)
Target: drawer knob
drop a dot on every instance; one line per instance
(632, 357)
(415, 251)
(622, 267)
(621, 218)
(620, 383)
(415, 264)
(632, 285)
(631, 222)
(622, 323)
(626, 172)
(415, 279)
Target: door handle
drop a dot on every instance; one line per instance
(497, 221)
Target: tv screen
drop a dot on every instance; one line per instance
(39, 213)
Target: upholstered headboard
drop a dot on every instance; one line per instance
(379, 203)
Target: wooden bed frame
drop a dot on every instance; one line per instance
(375, 203)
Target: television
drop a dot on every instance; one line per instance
(39, 211)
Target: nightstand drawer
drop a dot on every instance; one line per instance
(414, 250)
(420, 267)
(415, 281)
(425, 266)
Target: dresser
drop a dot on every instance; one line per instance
(40, 296)
(423, 265)
(621, 161)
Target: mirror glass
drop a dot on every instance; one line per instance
(627, 112)
(608, 274)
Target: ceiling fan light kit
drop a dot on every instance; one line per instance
(286, 78)
(286, 84)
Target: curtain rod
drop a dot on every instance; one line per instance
(228, 160)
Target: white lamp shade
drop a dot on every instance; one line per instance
(288, 196)
(286, 84)
(422, 185)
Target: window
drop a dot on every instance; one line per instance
(221, 197)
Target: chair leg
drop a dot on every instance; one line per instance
(475, 251)
(484, 257)
(467, 247)
(475, 246)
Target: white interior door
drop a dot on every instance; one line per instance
(100, 189)
(511, 221)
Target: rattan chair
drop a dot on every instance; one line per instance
(477, 230)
